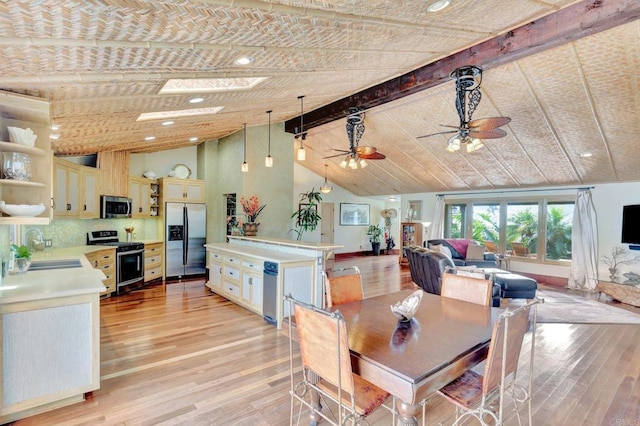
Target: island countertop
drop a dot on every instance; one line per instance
(53, 283)
(290, 243)
(259, 253)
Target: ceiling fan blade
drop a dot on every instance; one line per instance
(366, 150)
(488, 123)
(450, 125)
(340, 150)
(487, 134)
(439, 133)
(373, 156)
(334, 156)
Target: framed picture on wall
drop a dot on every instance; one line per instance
(354, 214)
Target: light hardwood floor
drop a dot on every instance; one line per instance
(180, 355)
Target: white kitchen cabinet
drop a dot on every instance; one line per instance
(140, 194)
(90, 193)
(252, 289)
(182, 190)
(215, 272)
(67, 189)
(33, 113)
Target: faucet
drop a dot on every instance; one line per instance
(30, 243)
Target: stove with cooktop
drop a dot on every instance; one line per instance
(129, 259)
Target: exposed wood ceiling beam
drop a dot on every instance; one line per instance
(569, 24)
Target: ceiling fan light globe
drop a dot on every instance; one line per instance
(343, 164)
(352, 163)
(363, 163)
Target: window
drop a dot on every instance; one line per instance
(531, 228)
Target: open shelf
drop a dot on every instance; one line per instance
(23, 149)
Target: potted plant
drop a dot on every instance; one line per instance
(22, 257)
(252, 209)
(307, 217)
(375, 236)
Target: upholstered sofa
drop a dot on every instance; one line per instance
(465, 252)
(427, 266)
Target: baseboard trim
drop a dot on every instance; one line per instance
(341, 256)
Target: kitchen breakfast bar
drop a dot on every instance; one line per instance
(256, 273)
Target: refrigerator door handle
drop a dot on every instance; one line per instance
(185, 237)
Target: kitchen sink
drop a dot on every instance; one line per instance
(43, 265)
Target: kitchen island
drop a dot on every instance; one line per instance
(50, 336)
(257, 273)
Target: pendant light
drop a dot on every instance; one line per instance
(268, 160)
(325, 188)
(245, 166)
(302, 154)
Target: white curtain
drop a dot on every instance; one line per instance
(584, 244)
(437, 226)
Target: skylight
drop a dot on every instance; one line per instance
(163, 115)
(208, 85)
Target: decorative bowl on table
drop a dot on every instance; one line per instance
(22, 210)
(407, 308)
(22, 136)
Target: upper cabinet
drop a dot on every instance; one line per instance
(182, 190)
(76, 192)
(34, 186)
(141, 197)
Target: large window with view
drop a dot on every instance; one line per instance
(535, 229)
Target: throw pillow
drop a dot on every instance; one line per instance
(475, 252)
(442, 249)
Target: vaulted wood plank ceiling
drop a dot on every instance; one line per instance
(102, 64)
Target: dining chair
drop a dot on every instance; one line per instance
(519, 249)
(469, 289)
(342, 287)
(482, 396)
(327, 378)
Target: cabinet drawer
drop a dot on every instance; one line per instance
(152, 249)
(111, 287)
(232, 289)
(152, 261)
(231, 272)
(152, 274)
(253, 265)
(233, 259)
(215, 255)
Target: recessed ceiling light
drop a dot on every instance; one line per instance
(243, 60)
(149, 138)
(168, 123)
(208, 85)
(193, 139)
(163, 115)
(392, 198)
(437, 6)
(54, 136)
(195, 100)
(55, 127)
(586, 154)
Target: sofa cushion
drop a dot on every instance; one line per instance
(475, 252)
(442, 249)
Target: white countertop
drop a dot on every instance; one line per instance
(260, 253)
(48, 284)
(290, 243)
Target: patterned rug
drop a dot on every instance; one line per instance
(561, 307)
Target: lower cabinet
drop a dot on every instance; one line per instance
(238, 278)
(153, 261)
(106, 261)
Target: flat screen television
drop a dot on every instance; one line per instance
(631, 224)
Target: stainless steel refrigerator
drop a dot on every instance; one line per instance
(185, 236)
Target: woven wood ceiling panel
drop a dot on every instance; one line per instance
(103, 63)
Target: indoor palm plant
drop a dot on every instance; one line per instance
(307, 217)
(375, 237)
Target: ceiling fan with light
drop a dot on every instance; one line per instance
(356, 154)
(470, 132)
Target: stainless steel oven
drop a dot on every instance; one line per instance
(129, 259)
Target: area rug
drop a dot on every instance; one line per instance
(569, 308)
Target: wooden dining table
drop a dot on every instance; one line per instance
(413, 360)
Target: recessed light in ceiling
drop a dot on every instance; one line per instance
(586, 154)
(149, 138)
(392, 198)
(438, 5)
(54, 136)
(168, 123)
(160, 115)
(193, 139)
(243, 60)
(55, 127)
(208, 85)
(195, 100)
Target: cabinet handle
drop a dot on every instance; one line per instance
(68, 207)
(250, 280)
(95, 263)
(85, 207)
(139, 209)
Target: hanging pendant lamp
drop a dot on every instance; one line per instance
(245, 166)
(268, 160)
(302, 154)
(325, 188)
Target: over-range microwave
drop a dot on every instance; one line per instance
(114, 207)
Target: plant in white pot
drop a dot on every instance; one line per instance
(375, 237)
(22, 257)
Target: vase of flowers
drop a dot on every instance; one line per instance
(252, 209)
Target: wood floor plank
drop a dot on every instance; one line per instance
(178, 354)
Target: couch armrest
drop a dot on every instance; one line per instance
(490, 256)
